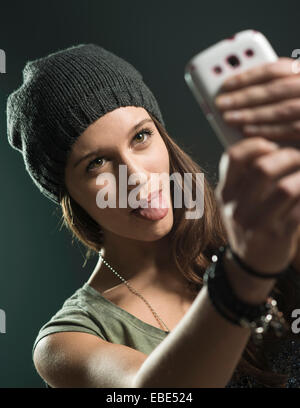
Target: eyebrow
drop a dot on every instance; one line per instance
(98, 151)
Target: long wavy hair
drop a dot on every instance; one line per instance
(193, 244)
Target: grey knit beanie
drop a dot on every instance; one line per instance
(61, 95)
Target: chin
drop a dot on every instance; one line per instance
(155, 232)
(151, 231)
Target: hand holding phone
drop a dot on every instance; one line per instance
(259, 188)
(207, 71)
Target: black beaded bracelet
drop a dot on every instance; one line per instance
(256, 317)
(251, 271)
(220, 307)
(222, 287)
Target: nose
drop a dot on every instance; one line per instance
(140, 180)
(137, 175)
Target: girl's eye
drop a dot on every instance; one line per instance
(146, 131)
(90, 165)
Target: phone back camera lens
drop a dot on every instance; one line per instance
(233, 61)
(217, 69)
(249, 52)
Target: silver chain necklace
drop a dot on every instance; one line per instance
(135, 292)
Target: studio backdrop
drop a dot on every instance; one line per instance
(40, 266)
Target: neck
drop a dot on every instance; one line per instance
(140, 262)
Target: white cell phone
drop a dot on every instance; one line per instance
(206, 71)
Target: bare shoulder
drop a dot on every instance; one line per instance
(82, 360)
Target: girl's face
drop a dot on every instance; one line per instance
(118, 138)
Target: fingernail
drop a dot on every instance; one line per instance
(223, 101)
(230, 82)
(232, 115)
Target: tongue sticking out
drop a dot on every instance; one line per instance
(155, 213)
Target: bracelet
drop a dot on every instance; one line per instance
(256, 317)
(230, 300)
(251, 271)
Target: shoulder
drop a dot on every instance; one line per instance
(78, 314)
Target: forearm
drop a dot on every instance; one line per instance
(202, 351)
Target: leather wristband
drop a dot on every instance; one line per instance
(256, 317)
(253, 272)
(220, 286)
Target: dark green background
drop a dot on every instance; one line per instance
(40, 267)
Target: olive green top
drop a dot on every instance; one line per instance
(89, 312)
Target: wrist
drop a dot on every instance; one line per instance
(243, 300)
(248, 288)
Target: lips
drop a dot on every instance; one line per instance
(151, 196)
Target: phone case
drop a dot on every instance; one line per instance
(206, 71)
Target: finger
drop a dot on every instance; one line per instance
(279, 132)
(275, 90)
(292, 218)
(274, 211)
(262, 73)
(234, 162)
(282, 111)
(261, 178)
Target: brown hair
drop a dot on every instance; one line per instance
(193, 244)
